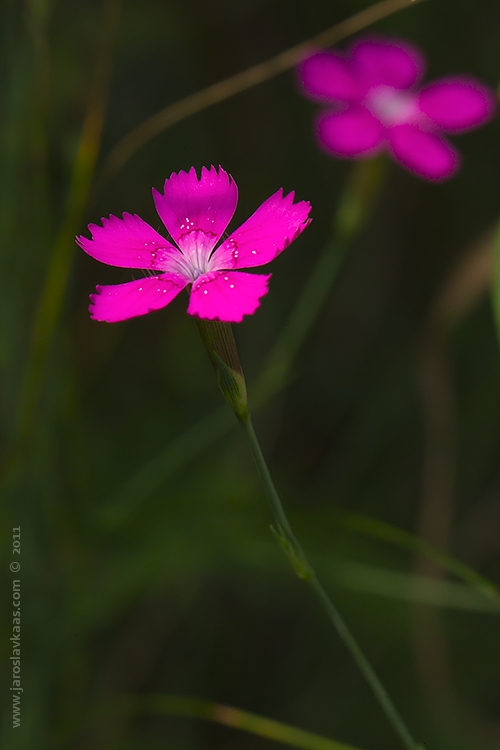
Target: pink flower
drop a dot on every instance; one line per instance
(195, 212)
(378, 106)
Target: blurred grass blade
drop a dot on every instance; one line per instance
(175, 456)
(388, 533)
(51, 302)
(407, 587)
(235, 718)
(227, 88)
(496, 280)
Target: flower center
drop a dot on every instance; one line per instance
(196, 247)
(391, 106)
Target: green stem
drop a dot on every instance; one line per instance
(303, 568)
(353, 211)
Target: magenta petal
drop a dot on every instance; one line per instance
(227, 295)
(197, 211)
(275, 224)
(326, 76)
(457, 104)
(123, 301)
(390, 63)
(354, 132)
(128, 243)
(425, 154)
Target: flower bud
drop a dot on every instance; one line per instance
(218, 339)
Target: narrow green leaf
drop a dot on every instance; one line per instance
(388, 533)
(231, 717)
(395, 584)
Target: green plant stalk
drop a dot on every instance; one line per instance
(283, 531)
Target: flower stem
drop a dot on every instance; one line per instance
(304, 570)
(353, 211)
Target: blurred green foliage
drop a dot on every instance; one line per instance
(392, 410)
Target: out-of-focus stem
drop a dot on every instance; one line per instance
(466, 284)
(353, 211)
(222, 90)
(51, 301)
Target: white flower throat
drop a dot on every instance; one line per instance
(392, 106)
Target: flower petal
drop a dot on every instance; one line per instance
(273, 226)
(197, 211)
(425, 154)
(227, 295)
(353, 132)
(326, 76)
(457, 104)
(386, 62)
(123, 301)
(129, 242)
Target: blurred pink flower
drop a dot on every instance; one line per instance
(195, 212)
(378, 106)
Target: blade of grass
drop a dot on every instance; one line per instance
(495, 290)
(408, 587)
(50, 305)
(230, 717)
(388, 533)
(233, 85)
